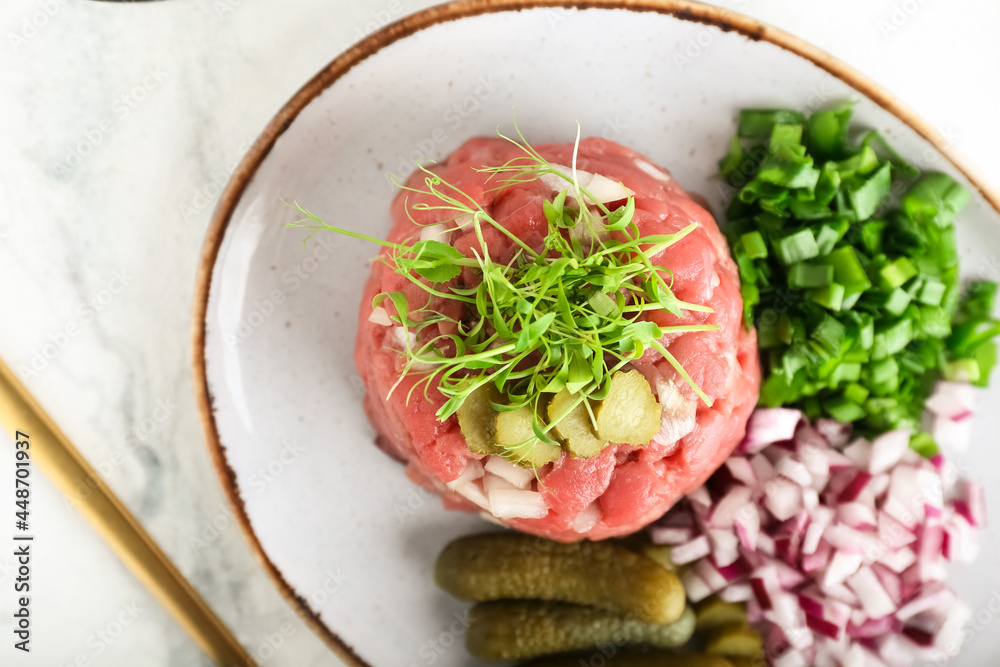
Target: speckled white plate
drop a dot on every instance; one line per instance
(346, 536)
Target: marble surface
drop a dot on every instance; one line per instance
(119, 124)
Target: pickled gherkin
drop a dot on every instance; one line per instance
(713, 613)
(623, 659)
(629, 414)
(517, 629)
(605, 575)
(573, 426)
(477, 420)
(516, 435)
(734, 639)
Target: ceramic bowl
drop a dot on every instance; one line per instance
(347, 538)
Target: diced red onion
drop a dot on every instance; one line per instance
(736, 592)
(833, 544)
(836, 433)
(517, 504)
(711, 576)
(825, 628)
(951, 399)
(887, 450)
(741, 470)
(898, 560)
(700, 496)
(725, 547)
(974, 497)
(691, 551)
(951, 434)
(747, 526)
(842, 565)
(782, 498)
(518, 476)
(874, 599)
(768, 426)
(670, 535)
(934, 596)
(794, 470)
(857, 515)
(694, 586)
(859, 452)
(724, 512)
(818, 559)
(854, 488)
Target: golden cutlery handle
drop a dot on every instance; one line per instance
(55, 456)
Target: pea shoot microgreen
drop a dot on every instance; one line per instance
(564, 316)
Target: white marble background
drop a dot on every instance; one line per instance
(118, 125)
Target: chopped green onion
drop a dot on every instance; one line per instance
(844, 410)
(895, 302)
(758, 123)
(830, 334)
(896, 273)
(923, 444)
(754, 245)
(846, 372)
(884, 372)
(847, 269)
(863, 338)
(733, 159)
(830, 297)
(871, 235)
(894, 338)
(866, 197)
(931, 293)
(797, 247)
(804, 275)
(936, 198)
(828, 132)
(856, 393)
(962, 370)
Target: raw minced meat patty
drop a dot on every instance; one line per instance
(624, 487)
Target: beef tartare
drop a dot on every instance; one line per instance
(544, 424)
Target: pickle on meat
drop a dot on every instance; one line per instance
(496, 566)
(573, 426)
(623, 659)
(629, 414)
(477, 420)
(518, 629)
(516, 435)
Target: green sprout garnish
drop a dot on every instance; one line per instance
(566, 316)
